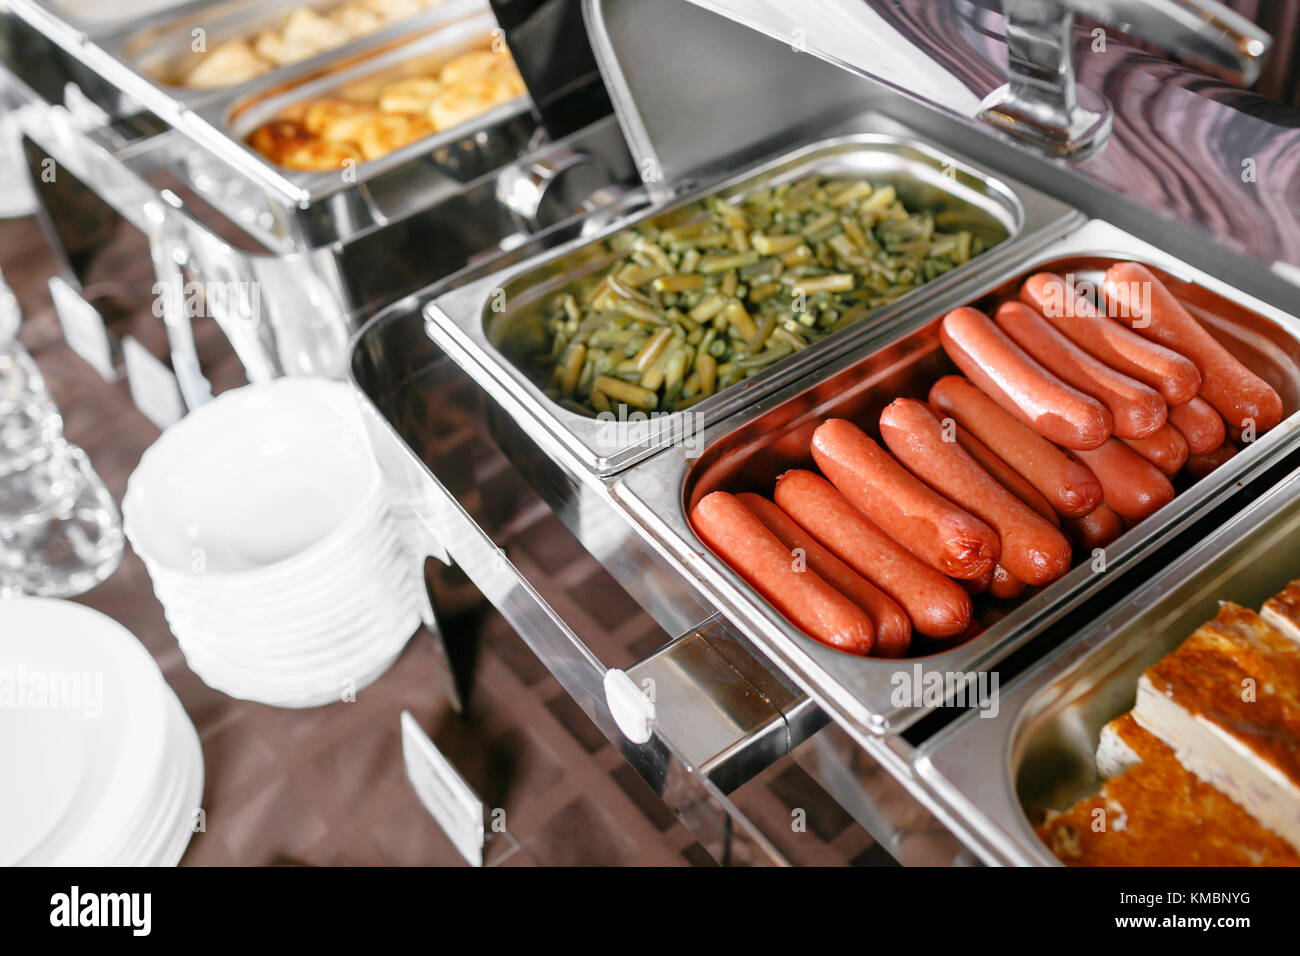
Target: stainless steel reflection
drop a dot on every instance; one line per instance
(396, 369)
(1038, 753)
(903, 358)
(1170, 174)
(1000, 211)
(1041, 104)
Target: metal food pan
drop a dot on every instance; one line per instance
(1038, 753)
(748, 451)
(165, 51)
(468, 319)
(426, 53)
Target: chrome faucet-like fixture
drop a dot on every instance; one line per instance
(1042, 105)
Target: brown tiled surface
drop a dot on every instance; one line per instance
(326, 786)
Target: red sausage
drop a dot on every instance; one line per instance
(1095, 530)
(977, 585)
(926, 523)
(1074, 316)
(1019, 384)
(1031, 549)
(1133, 487)
(737, 536)
(937, 605)
(1137, 411)
(1235, 391)
(1068, 485)
(1201, 465)
(1200, 424)
(1166, 449)
(893, 629)
(1005, 475)
(1005, 585)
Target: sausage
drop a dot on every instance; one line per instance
(1069, 486)
(1003, 473)
(1200, 424)
(1173, 375)
(977, 585)
(937, 605)
(1166, 449)
(1031, 549)
(1136, 410)
(1199, 466)
(1132, 487)
(1005, 585)
(926, 523)
(1095, 530)
(893, 629)
(1237, 393)
(1019, 384)
(737, 536)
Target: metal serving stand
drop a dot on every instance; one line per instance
(1082, 153)
(740, 687)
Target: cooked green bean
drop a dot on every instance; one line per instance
(726, 288)
(622, 391)
(651, 351)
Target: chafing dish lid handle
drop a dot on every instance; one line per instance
(632, 709)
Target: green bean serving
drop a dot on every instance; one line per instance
(728, 289)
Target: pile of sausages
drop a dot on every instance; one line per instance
(985, 488)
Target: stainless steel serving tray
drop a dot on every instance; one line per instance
(904, 357)
(284, 209)
(1038, 752)
(250, 110)
(466, 319)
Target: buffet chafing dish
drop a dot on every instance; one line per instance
(1038, 753)
(707, 94)
(632, 517)
(282, 209)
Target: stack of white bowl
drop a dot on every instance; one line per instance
(102, 767)
(262, 519)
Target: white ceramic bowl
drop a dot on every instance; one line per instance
(254, 484)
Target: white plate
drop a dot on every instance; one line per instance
(315, 690)
(343, 549)
(171, 820)
(329, 623)
(309, 599)
(329, 664)
(74, 774)
(306, 664)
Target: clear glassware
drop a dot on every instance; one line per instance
(60, 530)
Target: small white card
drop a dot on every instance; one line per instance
(83, 328)
(449, 799)
(153, 385)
